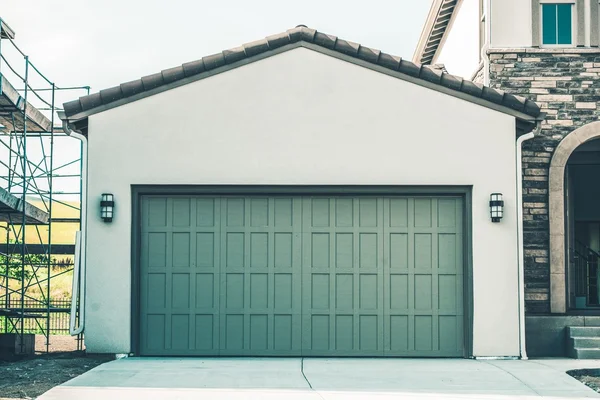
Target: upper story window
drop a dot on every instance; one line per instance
(557, 23)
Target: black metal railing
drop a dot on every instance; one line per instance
(585, 264)
(59, 316)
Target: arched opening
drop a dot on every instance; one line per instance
(582, 199)
(574, 208)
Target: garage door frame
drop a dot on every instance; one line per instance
(137, 191)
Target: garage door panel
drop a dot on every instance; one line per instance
(181, 212)
(342, 276)
(206, 278)
(323, 276)
(206, 332)
(344, 212)
(156, 212)
(344, 250)
(261, 278)
(207, 210)
(424, 291)
(398, 340)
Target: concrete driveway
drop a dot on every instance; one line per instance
(325, 379)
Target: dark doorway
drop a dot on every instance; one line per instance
(582, 206)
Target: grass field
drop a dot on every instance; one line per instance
(62, 233)
(60, 284)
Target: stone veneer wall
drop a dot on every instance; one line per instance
(566, 85)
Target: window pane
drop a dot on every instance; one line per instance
(549, 24)
(564, 23)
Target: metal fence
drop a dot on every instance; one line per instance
(59, 316)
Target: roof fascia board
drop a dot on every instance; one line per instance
(6, 31)
(438, 15)
(319, 49)
(427, 28)
(447, 31)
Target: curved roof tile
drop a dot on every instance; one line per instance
(300, 33)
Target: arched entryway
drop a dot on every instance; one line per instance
(566, 176)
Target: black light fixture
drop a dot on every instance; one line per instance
(107, 206)
(496, 207)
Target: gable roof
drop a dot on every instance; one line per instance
(5, 31)
(437, 22)
(77, 111)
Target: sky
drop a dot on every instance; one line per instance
(102, 43)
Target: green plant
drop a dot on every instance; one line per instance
(62, 263)
(18, 266)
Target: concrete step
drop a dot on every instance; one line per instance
(584, 342)
(583, 331)
(584, 354)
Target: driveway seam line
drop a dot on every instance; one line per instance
(514, 376)
(302, 370)
(306, 379)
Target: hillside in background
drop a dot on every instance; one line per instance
(62, 232)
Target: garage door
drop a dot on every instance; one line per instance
(315, 276)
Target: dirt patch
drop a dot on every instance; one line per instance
(29, 377)
(58, 343)
(589, 377)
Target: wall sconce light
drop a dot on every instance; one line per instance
(107, 206)
(496, 207)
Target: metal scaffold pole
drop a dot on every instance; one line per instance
(34, 186)
(24, 200)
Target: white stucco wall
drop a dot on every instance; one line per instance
(302, 117)
(510, 23)
(460, 49)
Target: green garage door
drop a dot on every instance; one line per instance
(290, 276)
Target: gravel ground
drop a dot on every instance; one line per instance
(31, 376)
(589, 377)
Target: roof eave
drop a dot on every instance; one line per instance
(6, 31)
(440, 17)
(78, 118)
(426, 32)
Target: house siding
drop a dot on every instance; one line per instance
(566, 85)
(303, 118)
